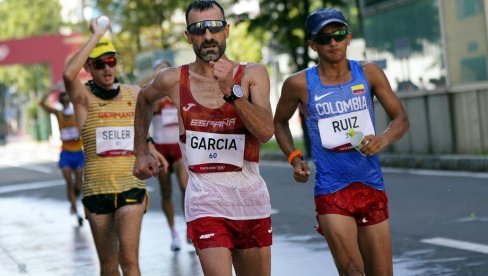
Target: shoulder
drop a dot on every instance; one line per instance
(255, 70)
(168, 77)
(370, 68)
(296, 80)
(251, 66)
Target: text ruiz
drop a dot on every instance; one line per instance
(212, 143)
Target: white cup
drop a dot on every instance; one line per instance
(356, 137)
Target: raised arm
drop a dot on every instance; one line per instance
(45, 106)
(75, 89)
(255, 113)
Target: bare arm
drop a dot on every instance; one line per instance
(45, 106)
(293, 93)
(77, 91)
(146, 164)
(393, 107)
(256, 114)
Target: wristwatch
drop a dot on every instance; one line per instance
(235, 93)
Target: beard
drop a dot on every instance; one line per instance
(208, 55)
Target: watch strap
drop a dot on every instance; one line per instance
(232, 97)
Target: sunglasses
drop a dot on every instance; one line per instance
(325, 38)
(99, 64)
(199, 28)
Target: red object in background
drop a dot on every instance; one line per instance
(54, 50)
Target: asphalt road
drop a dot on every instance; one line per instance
(438, 219)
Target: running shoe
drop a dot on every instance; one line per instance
(175, 241)
(80, 221)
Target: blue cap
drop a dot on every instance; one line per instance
(321, 17)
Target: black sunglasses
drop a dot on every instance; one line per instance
(214, 26)
(325, 38)
(99, 64)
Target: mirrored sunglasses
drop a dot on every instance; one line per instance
(214, 26)
(325, 38)
(99, 64)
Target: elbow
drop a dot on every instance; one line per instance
(266, 135)
(406, 124)
(69, 75)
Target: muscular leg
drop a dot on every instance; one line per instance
(70, 189)
(375, 245)
(78, 181)
(182, 176)
(128, 220)
(105, 237)
(341, 234)
(166, 200)
(215, 261)
(253, 261)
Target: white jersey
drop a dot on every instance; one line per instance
(165, 123)
(234, 195)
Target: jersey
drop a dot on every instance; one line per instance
(108, 139)
(333, 111)
(221, 156)
(165, 123)
(69, 132)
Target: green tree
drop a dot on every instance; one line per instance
(24, 18)
(285, 20)
(143, 25)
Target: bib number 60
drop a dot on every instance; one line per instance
(212, 155)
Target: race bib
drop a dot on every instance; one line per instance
(333, 130)
(69, 134)
(115, 141)
(212, 152)
(169, 116)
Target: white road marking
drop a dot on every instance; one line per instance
(30, 186)
(470, 246)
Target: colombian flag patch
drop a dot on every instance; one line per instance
(357, 89)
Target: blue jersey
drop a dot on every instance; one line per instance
(333, 111)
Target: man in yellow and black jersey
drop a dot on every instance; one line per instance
(114, 199)
(71, 159)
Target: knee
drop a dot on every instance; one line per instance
(109, 268)
(351, 269)
(128, 263)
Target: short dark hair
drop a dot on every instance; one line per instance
(203, 5)
(62, 95)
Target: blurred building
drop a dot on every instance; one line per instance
(428, 44)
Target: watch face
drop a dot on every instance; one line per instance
(237, 90)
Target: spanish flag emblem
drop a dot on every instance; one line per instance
(357, 89)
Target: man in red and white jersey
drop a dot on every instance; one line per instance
(224, 114)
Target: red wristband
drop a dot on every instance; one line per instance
(296, 153)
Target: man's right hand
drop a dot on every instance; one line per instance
(301, 171)
(97, 29)
(145, 167)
